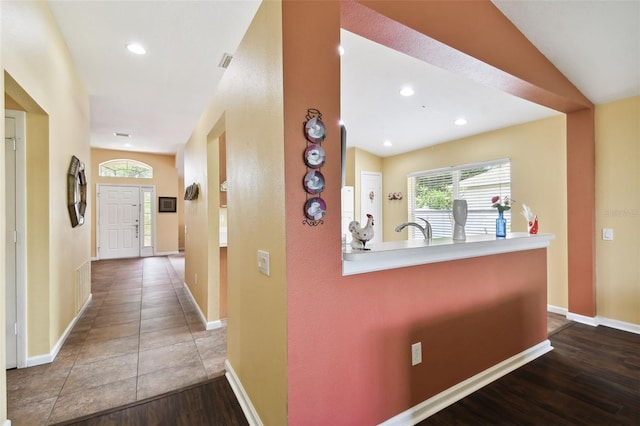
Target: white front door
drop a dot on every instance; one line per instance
(371, 201)
(119, 221)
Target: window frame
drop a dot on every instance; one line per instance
(127, 162)
(480, 214)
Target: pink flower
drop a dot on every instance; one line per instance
(501, 205)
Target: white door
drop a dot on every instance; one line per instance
(15, 248)
(119, 221)
(10, 242)
(371, 201)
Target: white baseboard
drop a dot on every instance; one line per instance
(557, 310)
(596, 321)
(455, 393)
(583, 319)
(620, 325)
(47, 358)
(211, 325)
(245, 403)
(7, 422)
(166, 253)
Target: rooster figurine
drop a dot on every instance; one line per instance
(360, 235)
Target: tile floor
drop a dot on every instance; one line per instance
(141, 336)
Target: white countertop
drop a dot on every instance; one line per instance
(399, 254)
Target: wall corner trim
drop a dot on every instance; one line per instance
(245, 403)
(455, 393)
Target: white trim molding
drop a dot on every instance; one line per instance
(7, 422)
(592, 321)
(211, 325)
(596, 321)
(455, 393)
(245, 403)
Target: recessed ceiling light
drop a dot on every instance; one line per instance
(127, 145)
(460, 122)
(340, 50)
(136, 48)
(124, 135)
(387, 143)
(406, 91)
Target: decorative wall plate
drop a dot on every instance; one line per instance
(314, 130)
(315, 208)
(314, 182)
(76, 192)
(314, 156)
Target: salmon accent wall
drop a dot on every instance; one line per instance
(581, 175)
(349, 337)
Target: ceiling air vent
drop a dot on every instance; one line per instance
(225, 61)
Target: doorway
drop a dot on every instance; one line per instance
(125, 221)
(15, 243)
(371, 201)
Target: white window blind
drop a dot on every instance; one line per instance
(431, 194)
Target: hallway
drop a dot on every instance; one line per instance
(141, 336)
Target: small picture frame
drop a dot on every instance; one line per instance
(167, 204)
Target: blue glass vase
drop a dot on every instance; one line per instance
(501, 225)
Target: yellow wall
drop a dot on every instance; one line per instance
(248, 106)
(44, 81)
(538, 179)
(618, 207)
(165, 179)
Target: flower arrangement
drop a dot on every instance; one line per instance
(503, 204)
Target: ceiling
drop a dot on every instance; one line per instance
(159, 97)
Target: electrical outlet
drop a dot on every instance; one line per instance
(607, 234)
(263, 262)
(416, 353)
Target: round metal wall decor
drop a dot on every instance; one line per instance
(76, 192)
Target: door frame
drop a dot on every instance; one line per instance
(21, 228)
(378, 230)
(142, 189)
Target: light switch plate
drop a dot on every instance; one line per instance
(416, 353)
(607, 234)
(263, 262)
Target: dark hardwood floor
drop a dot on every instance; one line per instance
(211, 403)
(592, 377)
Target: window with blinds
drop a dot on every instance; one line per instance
(431, 194)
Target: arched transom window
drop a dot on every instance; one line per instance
(125, 168)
